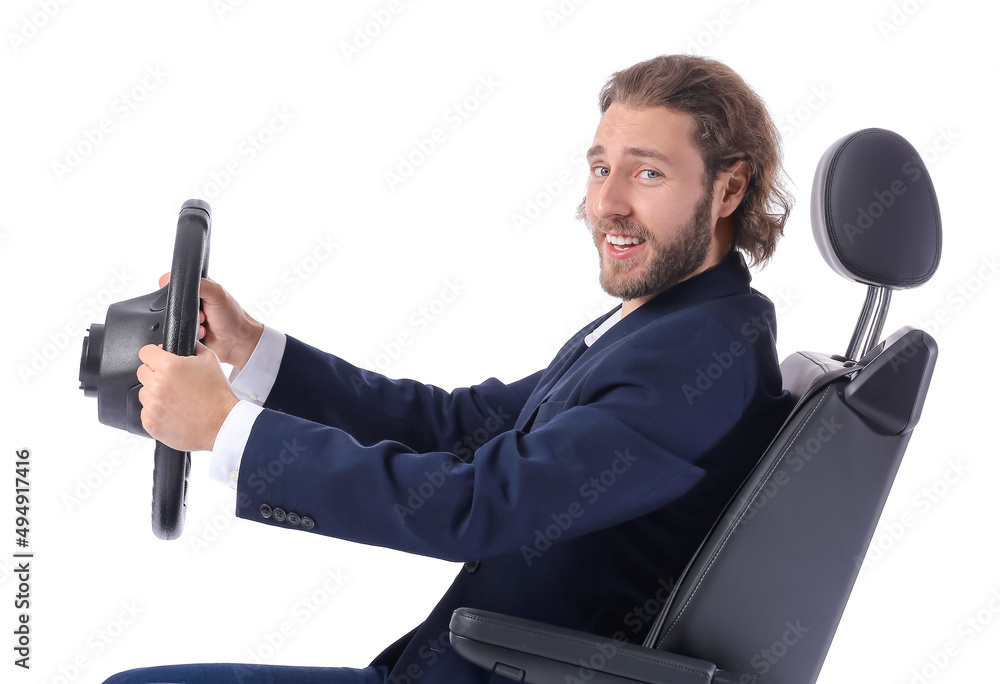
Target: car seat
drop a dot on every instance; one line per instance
(761, 599)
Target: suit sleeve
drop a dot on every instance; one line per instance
(325, 389)
(628, 446)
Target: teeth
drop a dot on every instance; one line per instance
(623, 240)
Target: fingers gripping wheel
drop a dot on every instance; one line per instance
(180, 334)
(110, 357)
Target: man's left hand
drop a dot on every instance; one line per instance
(185, 399)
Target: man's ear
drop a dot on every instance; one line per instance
(736, 180)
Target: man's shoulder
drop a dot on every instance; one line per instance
(727, 343)
(726, 317)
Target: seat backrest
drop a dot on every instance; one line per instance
(766, 590)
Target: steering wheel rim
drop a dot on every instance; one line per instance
(189, 266)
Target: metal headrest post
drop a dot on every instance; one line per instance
(868, 331)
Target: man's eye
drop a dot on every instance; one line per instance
(656, 174)
(601, 170)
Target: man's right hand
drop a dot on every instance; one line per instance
(225, 327)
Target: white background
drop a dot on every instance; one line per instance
(72, 240)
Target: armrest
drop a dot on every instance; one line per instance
(536, 653)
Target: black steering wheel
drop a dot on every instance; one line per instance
(110, 356)
(180, 334)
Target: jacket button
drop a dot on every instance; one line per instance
(293, 518)
(307, 522)
(279, 514)
(472, 566)
(265, 511)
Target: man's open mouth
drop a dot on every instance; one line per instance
(621, 245)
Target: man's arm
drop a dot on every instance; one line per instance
(325, 389)
(631, 443)
(188, 401)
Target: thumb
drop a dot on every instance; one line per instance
(202, 351)
(212, 292)
(164, 279)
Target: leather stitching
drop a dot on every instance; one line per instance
(742, 515)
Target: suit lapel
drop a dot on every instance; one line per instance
(563, 361)
(729, 277)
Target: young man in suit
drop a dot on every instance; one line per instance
(598, 476)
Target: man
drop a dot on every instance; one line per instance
(594, 480)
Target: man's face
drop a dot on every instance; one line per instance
(648, 205)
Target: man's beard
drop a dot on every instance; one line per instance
(667, 264)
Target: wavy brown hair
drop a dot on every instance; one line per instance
(731, 123)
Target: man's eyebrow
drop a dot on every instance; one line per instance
(598, 150)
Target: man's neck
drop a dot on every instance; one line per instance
(630, 305)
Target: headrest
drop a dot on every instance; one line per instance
(875, 215)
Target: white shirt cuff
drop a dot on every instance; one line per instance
(224, 464)
(255, 381)
(251, 385)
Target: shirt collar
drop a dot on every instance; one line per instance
(603, 327)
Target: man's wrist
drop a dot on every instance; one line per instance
(224, 463)
(250, 334)
(225, 409)
(255, 379)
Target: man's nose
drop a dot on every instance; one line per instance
(612, 198)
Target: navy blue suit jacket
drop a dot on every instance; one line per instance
(574, 495)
